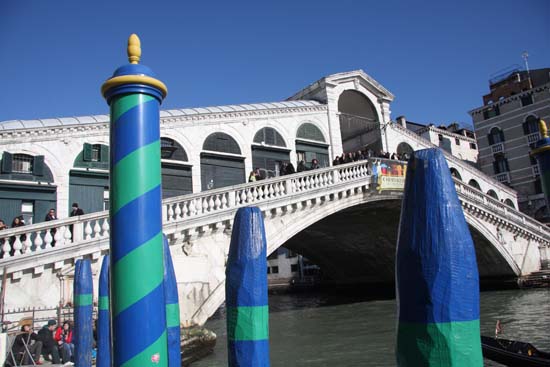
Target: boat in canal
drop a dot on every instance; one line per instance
(513, 353)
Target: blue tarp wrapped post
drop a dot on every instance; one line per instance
(103, 319)
(172, 309)
(436, 271)
(246, 292)
(83, 294)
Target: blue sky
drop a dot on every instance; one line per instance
(435, 56)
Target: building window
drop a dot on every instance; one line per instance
(294, 268)
(500, 165)
(457, 141)
(275, 270)
(440, 137)
(290, 254)
(22, 163)
(531, 125)
(96, 153)
(495, 136)
(538, 187)
(269, 136)
(526, 100)
(27, 211)
(491, 112)
(473, 146)
(268, 270)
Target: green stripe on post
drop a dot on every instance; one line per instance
(172, 315)
(141, 271)
(248, 323)
(124, 104)
(144, 358)
(430, 344)
(82, 300)
(103, 303)
(142, 169)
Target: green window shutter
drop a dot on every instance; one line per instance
(87, 152)
(104, 154)
(6, 162)
(38, 165)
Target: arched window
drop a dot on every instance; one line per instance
(500, 165)
(309, 131)
(531, 125)
(510, 203)
(495, 136)
(171, 149)
(404, 148)
(456, 174)
(492, 194)
(22, 163)
(221, 142)
(269, 136)
(474, 184)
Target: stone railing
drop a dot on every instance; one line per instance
(51, 242)
(455, 161)
(18, 244)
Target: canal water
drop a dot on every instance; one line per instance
(335, 330)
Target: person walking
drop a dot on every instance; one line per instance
(76, 211)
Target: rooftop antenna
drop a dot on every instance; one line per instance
(525, 57)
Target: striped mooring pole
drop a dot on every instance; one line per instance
(436, 271)
(541, 152)
(103, 318)
(82, 297)
(172, 309)
(246, 292)
(137, 270)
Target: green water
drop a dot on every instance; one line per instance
(327, 330)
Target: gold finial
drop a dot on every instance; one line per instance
(543, 129)
(134, 49)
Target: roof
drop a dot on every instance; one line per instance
(81, 120)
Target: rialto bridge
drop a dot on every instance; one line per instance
(341, 217)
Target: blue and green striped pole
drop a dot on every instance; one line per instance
(246, 292)
(172, 309)
(436, 271)
(83, 294)
(103, 318)
(137, 270)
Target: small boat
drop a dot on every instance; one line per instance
(513, 353)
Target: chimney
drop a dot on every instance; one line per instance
(401, 120)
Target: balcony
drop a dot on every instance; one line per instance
(497, 148)
(503, 177)
(536, 171)
(533, 138)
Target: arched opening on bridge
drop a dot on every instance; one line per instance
(269, 151)
(404, 150)
(492, 194)
(456, 174)
(176, 170)
(510, 203)
(89, 178)
(222, 163)
(474, 184)
(311, 144)
(23, 196)
(359, 122)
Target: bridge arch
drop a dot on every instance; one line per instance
(269, 152)
(455, 173)
(359, 122)
(474, 184)
(404, 149)
(222, 162)
(311, 143)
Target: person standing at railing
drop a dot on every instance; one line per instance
(252, 177)
(289, 169)
(51, 216)
(76, 211)
(17, 222)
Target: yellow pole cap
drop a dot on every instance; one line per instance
(134, 49)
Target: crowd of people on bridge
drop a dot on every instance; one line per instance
(366, 154)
